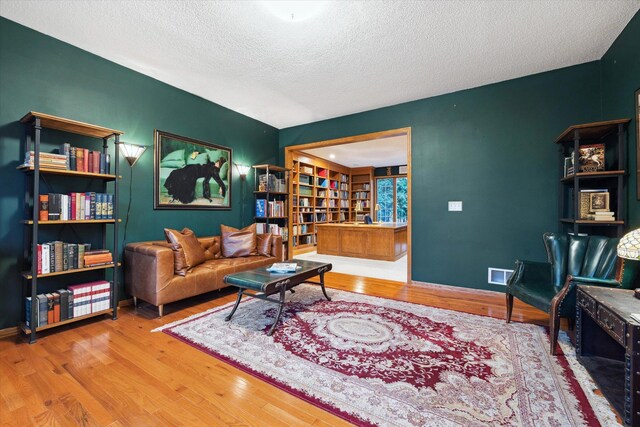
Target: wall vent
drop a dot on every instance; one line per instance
(499, 276)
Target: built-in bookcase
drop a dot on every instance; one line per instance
(361, 193)
(319, 194)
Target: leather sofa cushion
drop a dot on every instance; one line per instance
(187, 251)
(238, 243)
(264, 244)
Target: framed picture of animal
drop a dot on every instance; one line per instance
(591, 158)
(190, 174)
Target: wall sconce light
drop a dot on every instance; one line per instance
(132, 152)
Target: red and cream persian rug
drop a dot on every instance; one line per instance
(375, 361)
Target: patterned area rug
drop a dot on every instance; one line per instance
(375, 361)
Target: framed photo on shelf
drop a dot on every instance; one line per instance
(190, 174)
(599, 202)
(591, 158)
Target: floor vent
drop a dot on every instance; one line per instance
(499, 276)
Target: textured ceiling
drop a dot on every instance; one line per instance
(347, 57)
(378, 153)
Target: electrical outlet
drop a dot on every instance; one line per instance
(455, 206)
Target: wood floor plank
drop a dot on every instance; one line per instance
(118, 373)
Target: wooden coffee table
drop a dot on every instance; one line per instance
(261, 283)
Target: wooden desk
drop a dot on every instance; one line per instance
(608, 345)
(386, 241)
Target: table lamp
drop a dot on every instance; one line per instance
(629, 248)
(358, 209)
(377, 217)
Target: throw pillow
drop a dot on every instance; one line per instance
(179, 261)
(174, 160)
(187, 251)
(238, 243)
(264, 244)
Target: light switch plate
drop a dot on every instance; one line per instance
(455, 206)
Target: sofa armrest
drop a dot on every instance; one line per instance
(148, 269)
(276, 247)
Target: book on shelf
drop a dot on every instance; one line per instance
(100, 296)
(283, 267)
(64, 304)
(27, 310)
(261, 208)
(56, 307)
(81, 299)
(49, 308)
(43, 303)
(43, 211)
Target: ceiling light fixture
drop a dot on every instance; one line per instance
(332, 156)
(294, 11)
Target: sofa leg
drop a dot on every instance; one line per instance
(509, 307)
(135, 301)
(160, 310)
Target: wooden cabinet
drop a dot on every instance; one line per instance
(40, 178)
(361, 194)
(271, 191)
(319, 195)
(592, 173)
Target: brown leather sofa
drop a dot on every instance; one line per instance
(149, 270)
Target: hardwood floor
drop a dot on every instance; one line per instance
(117, 373)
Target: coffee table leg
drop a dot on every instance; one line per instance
(283, 292)
(235, 306)
(322, 286)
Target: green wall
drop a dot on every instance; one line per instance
(620, 79)
(491, 147)
(43, 74)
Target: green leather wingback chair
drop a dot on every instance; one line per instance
(550, 286)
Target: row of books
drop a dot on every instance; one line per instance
(270, 208)
(60, 256)
(72, 158)
(262, 228)
(64, 304)
(304, 240)
(306, 191)
(83, 160)
(306, 169)
(75, 206)
(364, 204)
(271, 182)
(47, 160)
(300, 229)
(305, 180)
(602, 216)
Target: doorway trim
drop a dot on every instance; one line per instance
(288, 161)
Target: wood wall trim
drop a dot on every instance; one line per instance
(9, 332)
(455, 288)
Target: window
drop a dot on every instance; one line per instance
(391, 195)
